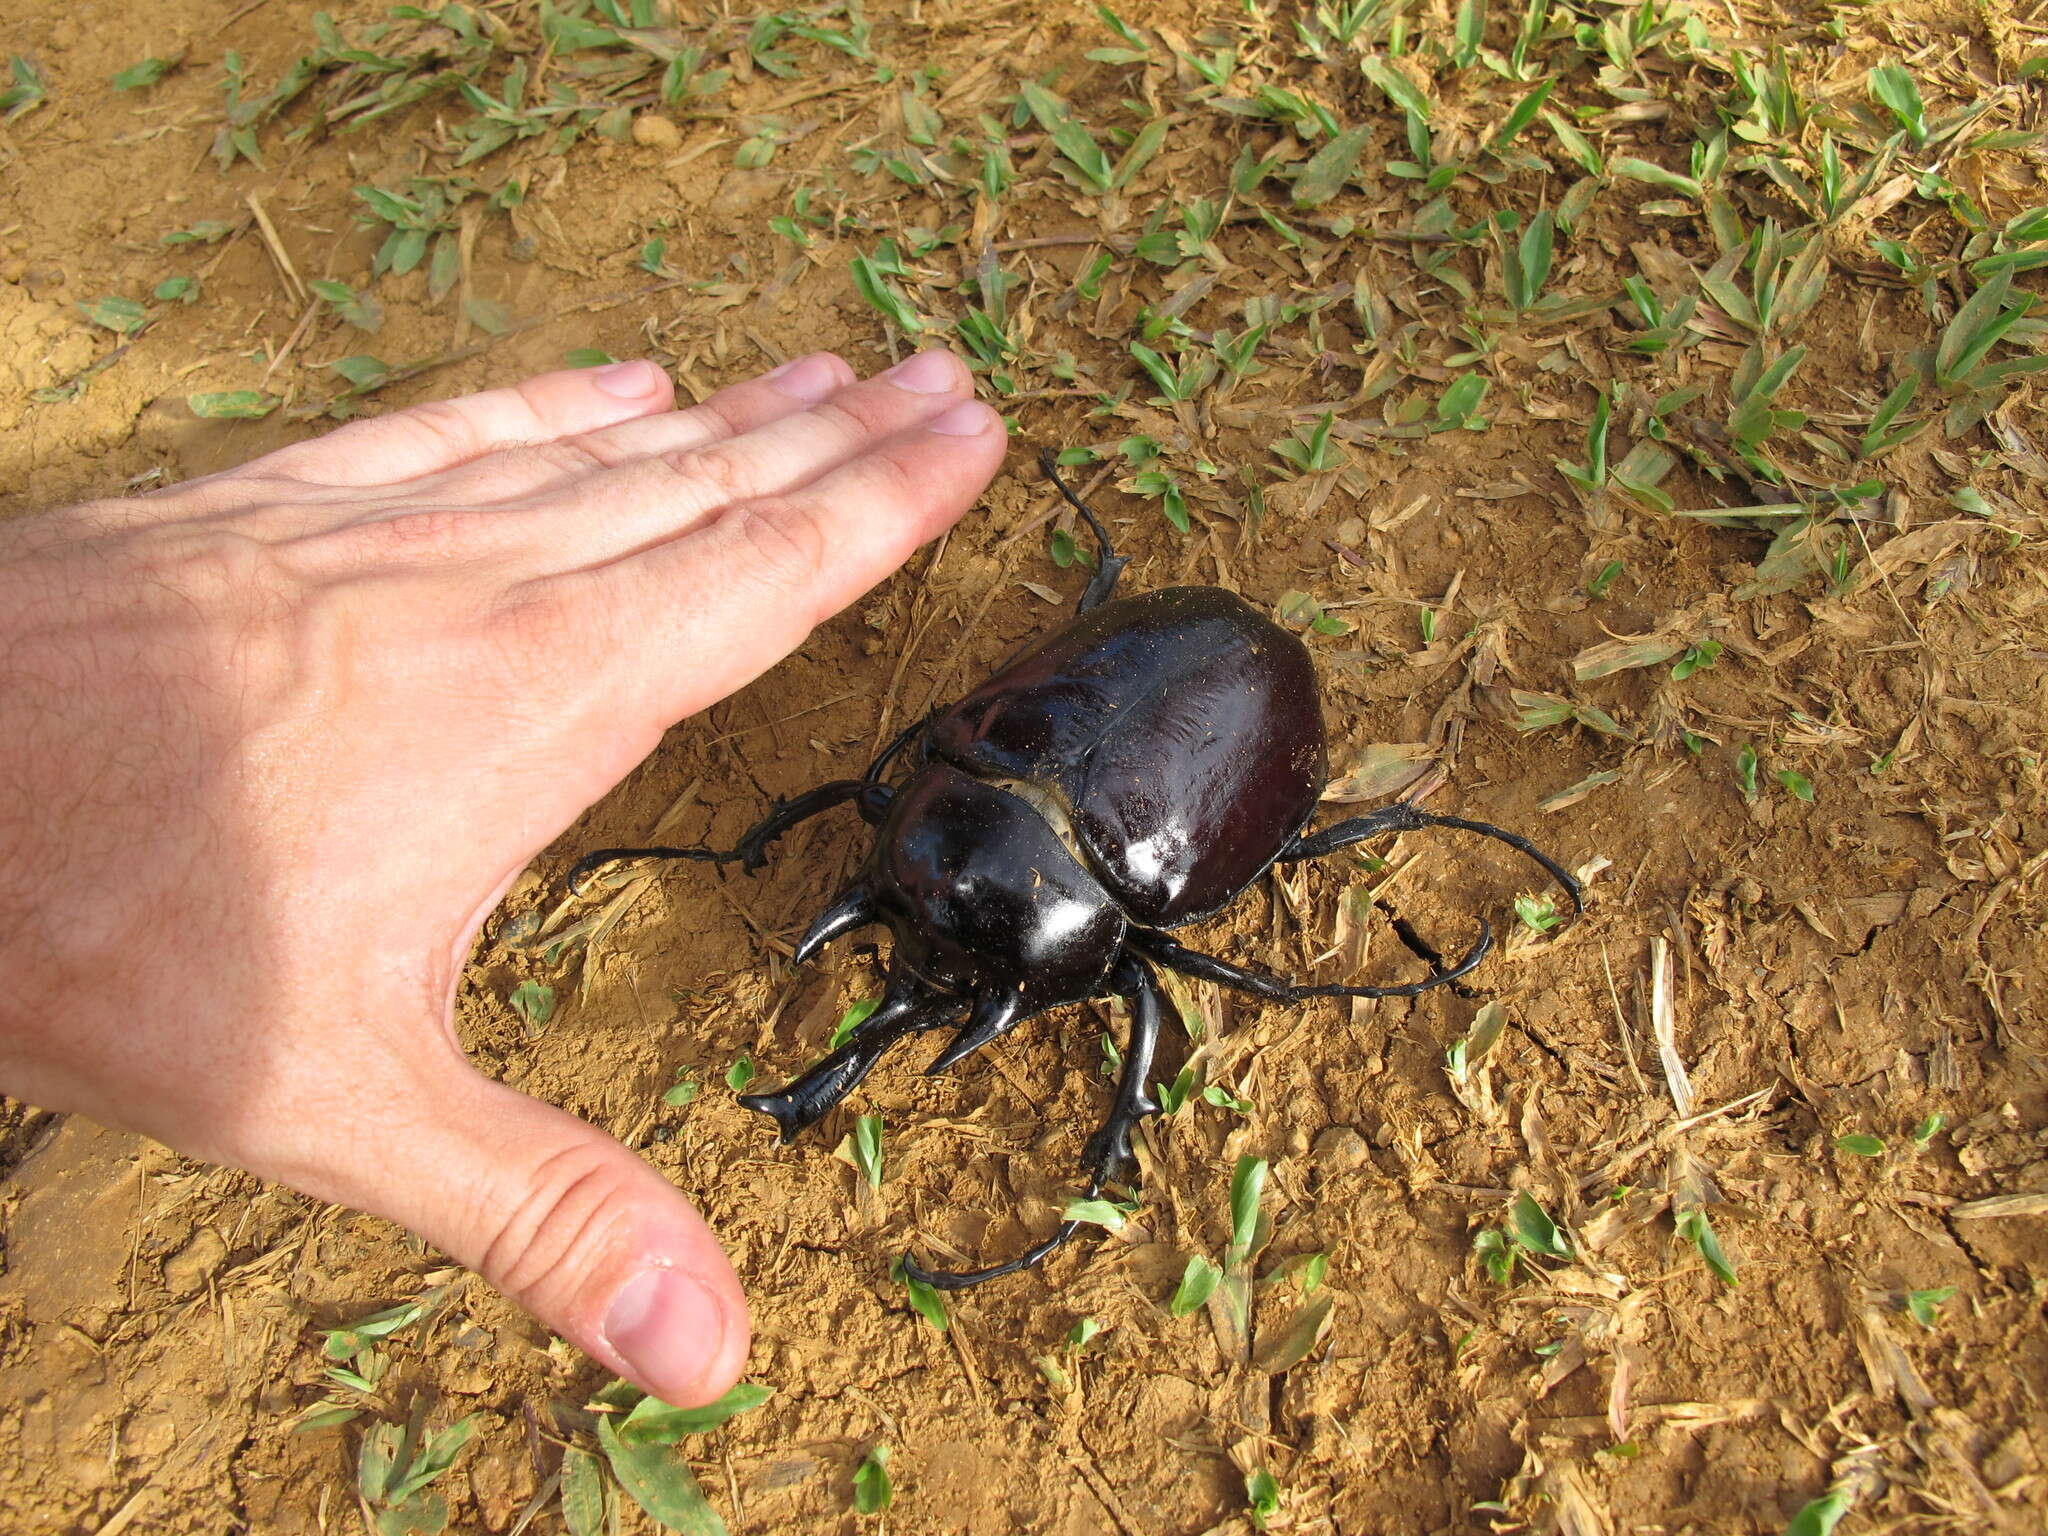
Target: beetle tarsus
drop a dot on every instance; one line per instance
(584, 867)
(1278, 989)
(1109, 565)
(1108, 1151)
(960, 1280)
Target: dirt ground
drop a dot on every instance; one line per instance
(1841, 966)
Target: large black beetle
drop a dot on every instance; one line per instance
(1125, 775)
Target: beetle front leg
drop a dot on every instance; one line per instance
(1109, 1150)
(808, 1098)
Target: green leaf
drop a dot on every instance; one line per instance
(136, 76)
(233, 404)
(1819, 1517)
(1262, 1492)
(1494, 1252)
(653, 1422)
(741, 1073)
(586, 1496)
(1247, 1184)
(1895, 90)
(571, 34)
(1576, 144)
(1331, 166)
(346, 1343)
(1925, 1306)
(1147, 144)
(205, 232)
(1694, 1227)
(872, 1490)
(363, 371)
(377, 1464)
(867, 1148)
(123, 316)
(1531, 1228)
(173, 290)
(661, 1483)
(1929, 1128)
(587, 357)
(436, 1456)
(924, 1299)
(857, 1015)
(1461, 400)
(1397, 87)
(1103, 1213)
(1197, 1282)
(1861, 1144)
(26, 93)
(533, 1001)
(1522, 116)
(1656, 176)
(1798, 785)
(685, 1090)
(488, 316)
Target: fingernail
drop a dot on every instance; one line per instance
(927, 373)
(809, 379)
(667, 1329)
(969, 418)
(628, 381)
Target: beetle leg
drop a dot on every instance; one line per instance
(1109, 565)
(1192, 962)
(802, 1103)
(1109, 1149)
(751, 852)
(1403, 817)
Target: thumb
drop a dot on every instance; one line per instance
(567, 1222)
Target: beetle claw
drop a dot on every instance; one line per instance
(996, 1013)
(852, 908)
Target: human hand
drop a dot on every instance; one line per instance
(276, 741)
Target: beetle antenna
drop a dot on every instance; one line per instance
(995, 1014)
(852, 908)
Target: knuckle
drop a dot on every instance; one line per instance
(446, 427)
(784, 545)
(430, 534)
(575, 1209)
(565, 458)
(714, 473)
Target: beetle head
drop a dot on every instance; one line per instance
(986, 901)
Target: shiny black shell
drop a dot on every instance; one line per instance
(1177, 734)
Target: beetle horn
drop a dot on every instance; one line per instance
(995, 1013)
(852, 908)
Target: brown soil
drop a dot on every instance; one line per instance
(1849, 965)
